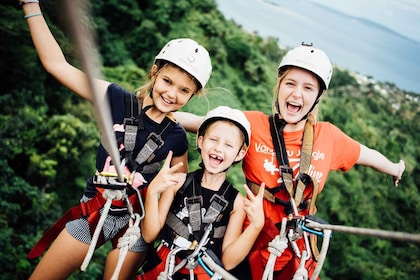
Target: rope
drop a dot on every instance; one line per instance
(322, 253)
(109, 195)
(276, 247)
(395, 235)
(302, 273)
(83, 38)
(127, 241)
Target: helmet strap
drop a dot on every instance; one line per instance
(307, 114)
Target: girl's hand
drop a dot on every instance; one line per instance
(253, 206)
(401, 168)
(167, 177)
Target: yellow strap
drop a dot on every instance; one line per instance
(267, 195)
(313, 239)
(305, 160)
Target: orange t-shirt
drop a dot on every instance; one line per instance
(332, 150)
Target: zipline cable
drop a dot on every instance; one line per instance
(83, 37)
(395, 235)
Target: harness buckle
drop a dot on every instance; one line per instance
(286, 169)
(157, 139)
(194, 211)
(109, 180)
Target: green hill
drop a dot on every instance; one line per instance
(49, 138)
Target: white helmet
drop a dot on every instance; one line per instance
(190, 56)
(311, 59)
(235, 116)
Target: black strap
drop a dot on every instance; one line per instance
(276, 129)
(303, 180)
(133, 122)
(194, 203)
(286, 173)
(132, 106)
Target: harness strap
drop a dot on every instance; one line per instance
(154, 142)
(177, 226)
(287, 174)
(133, 122)
(76, 212)
(53, 232)
(276, 128)
(217, 204)
(313, 238)
(267, 194)
(194, 202)
(305, 160)
(273, 199)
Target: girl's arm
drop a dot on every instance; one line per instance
(189, 121)
(376, 160)
(52, 57)
(237, 243)
(159, 196)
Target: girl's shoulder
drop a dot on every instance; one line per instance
(114, 88)
(256, 116)
(327, 127)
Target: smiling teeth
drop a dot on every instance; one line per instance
(294, 104)
(167, 100)
(215, 157)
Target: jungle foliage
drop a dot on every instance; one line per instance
(49, 136)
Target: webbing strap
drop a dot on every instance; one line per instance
(305, 160)
(154, 142)
(177, 225)
(276, 128)
(267, 194)
(131, 123)
(194, 202)
(313, 239)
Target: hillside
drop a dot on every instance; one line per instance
(49, 137)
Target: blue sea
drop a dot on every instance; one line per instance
(357, 44)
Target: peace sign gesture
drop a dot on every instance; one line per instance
(167, 177)
(253, 206)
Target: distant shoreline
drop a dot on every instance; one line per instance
(358, 45)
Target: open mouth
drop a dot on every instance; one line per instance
(215, 160)
(293, 107)
(166, 101)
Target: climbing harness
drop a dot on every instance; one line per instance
(132, 124)
(112, 190)
(293, 226)
(199, 256)
(296, 229)
(193, 232)
(115, 190)
(189, 223)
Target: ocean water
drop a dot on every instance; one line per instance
(358, 44)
